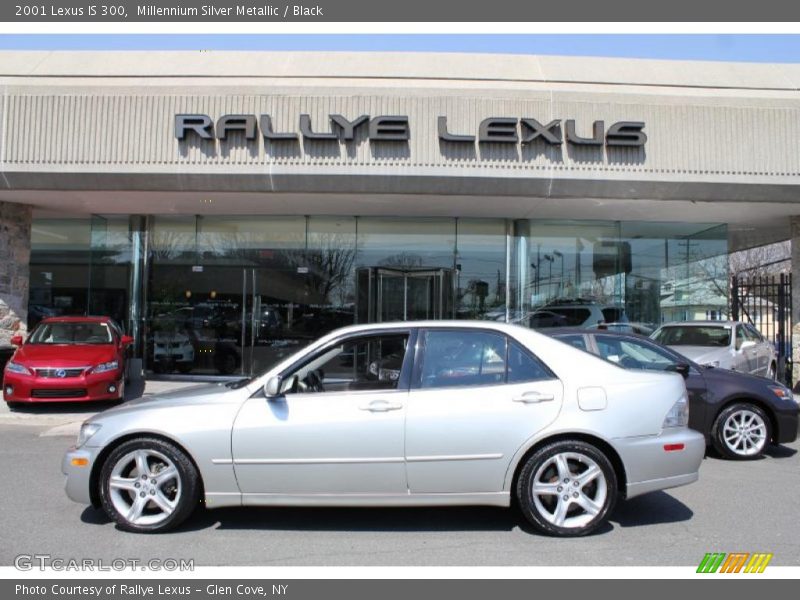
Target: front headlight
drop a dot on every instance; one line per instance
(678, 415)
(86, 432)
(106, 366)
(13, 367)
(782, 392)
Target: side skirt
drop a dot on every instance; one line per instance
(502, 499)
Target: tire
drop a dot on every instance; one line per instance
(742, 431)
(165, 504)
(549, 467)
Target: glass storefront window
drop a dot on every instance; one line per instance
(406, 269)
(481, 269)
(587, 273)
(231, 295)
(59, 268)
(79, 266)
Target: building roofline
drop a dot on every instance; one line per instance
(398, 66)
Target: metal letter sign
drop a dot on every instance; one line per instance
(396, 128)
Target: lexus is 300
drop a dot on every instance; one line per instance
(398, 414)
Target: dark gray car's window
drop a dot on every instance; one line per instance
(632, 354)
(576, 340)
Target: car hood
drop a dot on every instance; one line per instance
(742, 380)
(702, 354)
(190, 396)
(64, 355)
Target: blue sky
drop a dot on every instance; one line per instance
(722, 47)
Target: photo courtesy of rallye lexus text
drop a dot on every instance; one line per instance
(427, 413)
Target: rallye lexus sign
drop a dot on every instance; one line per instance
(396, 128)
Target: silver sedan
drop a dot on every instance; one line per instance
(398, 414)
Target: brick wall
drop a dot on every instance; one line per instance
(15, 254)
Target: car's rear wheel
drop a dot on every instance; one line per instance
(741, 431)
(567, 488)
(148, 485)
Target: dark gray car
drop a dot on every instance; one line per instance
(739, 414)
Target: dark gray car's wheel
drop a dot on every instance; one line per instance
(567, 488)
(741, 431)
(148, 485)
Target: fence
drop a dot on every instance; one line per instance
(766, 303)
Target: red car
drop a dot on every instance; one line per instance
(67, 359)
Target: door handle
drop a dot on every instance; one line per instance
(534, 398)
(381, 406)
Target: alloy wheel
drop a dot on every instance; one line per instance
(569, 490)
(145, 487)
(745, 432)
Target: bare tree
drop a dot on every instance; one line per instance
(330, 265)
(771, 259)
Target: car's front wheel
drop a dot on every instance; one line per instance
(567, 488)
(148, 485)
(741, 431)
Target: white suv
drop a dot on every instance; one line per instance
(576, 314)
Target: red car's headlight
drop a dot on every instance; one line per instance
(13, 367)
(105, 367)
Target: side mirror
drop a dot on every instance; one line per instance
(747, 344)
(682, 368)
(126, 340)
(272, 388)
(16, 340)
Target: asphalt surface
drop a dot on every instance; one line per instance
(735, 507)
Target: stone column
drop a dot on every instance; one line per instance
(795, 301)
(15, 256)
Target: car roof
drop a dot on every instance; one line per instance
(556, 331)
(76, 319)
(701, 323)
(444, 323)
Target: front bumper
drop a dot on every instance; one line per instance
(86, 387)
(787, 422)
(78, 478)
(650, 467)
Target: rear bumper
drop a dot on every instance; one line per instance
(649, 466)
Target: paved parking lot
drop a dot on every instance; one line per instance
(736, 506)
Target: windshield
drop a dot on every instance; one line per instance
(71, 333)
(694, 336)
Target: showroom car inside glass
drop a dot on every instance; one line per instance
(228, 212)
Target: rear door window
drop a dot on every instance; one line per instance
(455, 358)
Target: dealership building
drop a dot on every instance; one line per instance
(228, 207)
